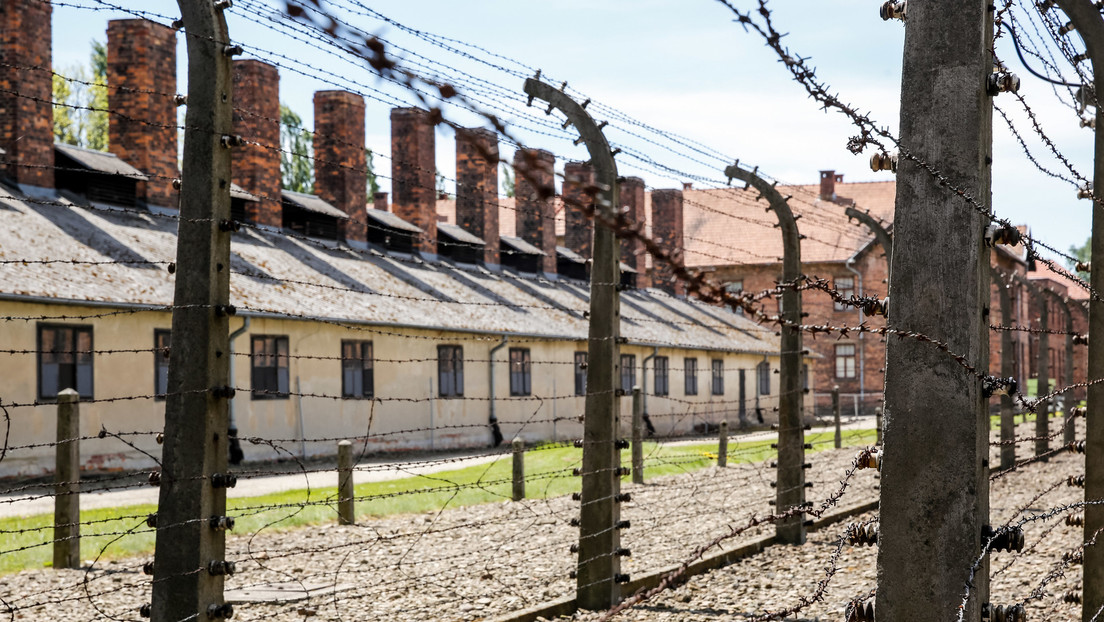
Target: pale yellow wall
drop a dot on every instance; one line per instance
(399, 420)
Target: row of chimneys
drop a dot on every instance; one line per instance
(141, 74)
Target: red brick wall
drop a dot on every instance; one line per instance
(477, 187)
(256, 168)
(667, 228)
(340, 164)
(413, 173)
(533, 189)
(578, 225)
(26, 116)
(141, 73)
(632, 251)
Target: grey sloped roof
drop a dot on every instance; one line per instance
(388, 219)
(519, 245)
(312, 203)
(457, 233)
(275, 273)
(100, 161)
(570, 255)
(237, 192)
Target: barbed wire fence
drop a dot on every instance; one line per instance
(437, 544)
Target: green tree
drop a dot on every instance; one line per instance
(507, 180)
(296, 153)
(80, 108)
(1083, 253)
(373, 183)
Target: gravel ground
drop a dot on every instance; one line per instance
(479, 562)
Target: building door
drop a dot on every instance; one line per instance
(743, 395)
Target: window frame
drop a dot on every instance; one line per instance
(690, 375)
(41, 355)
(521, 372)
(282, 389)
(628, 372)
(454, 355)
(367, 365)
(735, 286)
(844, 291)
(762, 377)
(661, 381)
(848, 374)
(716, 370)
(582, 359)
(161, 359)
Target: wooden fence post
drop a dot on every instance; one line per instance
(346, 495)
(519, 468)
(67, 482)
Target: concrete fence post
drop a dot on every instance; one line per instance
(722, 444)
(67, 482)
(836, 416)
(878, 425)
(637, 436)
(519, 468)
(346, 496)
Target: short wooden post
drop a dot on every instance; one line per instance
(637, 437)
(346, 512)
(519, 468)
(722, 445)
(67, 482)
(836, 416)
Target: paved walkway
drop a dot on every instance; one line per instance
(319, 474)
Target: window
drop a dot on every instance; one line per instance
(734, 287)
(690, 371)
(357, 370)
(718, 377)
(162, 340)
(450, 371)
(628, 372)
(64, 360)
(580, 373)
(662, 385)
(270, 367)
(845, 360)
(521, 377)
(764, 374)
(845, 285)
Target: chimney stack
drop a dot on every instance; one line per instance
(667, 231)
(828, 185)
(141, 70)
(26, 89)
(578, 225)
(256, 168)
(632, 251)
(534, 186)
(477, 187)
(413, 173)
(340, 164)
(380, 201)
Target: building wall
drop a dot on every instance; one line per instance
(407, 414)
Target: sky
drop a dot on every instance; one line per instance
(683, 67)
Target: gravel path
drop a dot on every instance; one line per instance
(478, 562)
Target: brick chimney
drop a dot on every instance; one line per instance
(477, 187)
(534, 187)
(256, 168)
(380, 202)
(340, 166)
(828, 185)
(632, 198)
(141, 69)
(667, 232)
(413, 173)
(26, 117)
(578, 225)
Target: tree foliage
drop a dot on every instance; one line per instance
(507, 180)
(296, 153)
(80, 108)
(1082, 253)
